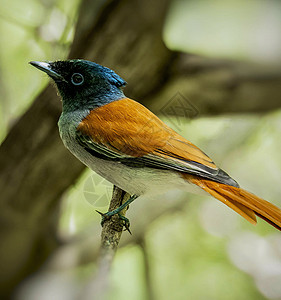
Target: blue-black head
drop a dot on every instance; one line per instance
(83, 84)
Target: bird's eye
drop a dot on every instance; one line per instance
(77, 79)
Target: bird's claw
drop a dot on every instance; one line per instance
(125, 222)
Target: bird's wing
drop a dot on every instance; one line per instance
(127, 132)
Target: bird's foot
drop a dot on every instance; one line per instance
(123, 220)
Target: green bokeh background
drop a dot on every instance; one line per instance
(203, 251)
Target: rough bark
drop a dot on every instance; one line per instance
(35, 169)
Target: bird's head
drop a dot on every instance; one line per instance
(83, 84)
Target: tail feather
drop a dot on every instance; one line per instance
(244, 203)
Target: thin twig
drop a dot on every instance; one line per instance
(110, 237)
(147, 270)
(112, 229)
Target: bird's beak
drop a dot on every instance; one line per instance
(46, 67)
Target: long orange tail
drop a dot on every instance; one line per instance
(244, 203)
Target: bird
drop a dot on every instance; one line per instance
(128, 145)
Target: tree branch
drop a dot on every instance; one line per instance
(217, 87)
(110, 238)
(112, 229)
(147, 270)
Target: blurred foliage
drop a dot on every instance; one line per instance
(241, 29)
(191, 253)
(30, 30)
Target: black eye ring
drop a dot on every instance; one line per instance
(77, 79)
